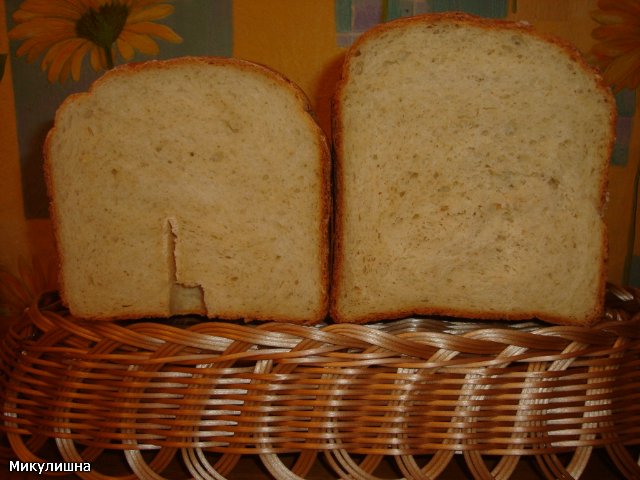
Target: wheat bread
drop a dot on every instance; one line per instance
(192, 185)
(471, 169)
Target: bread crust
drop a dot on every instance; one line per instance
(324, 174)
(337, 136)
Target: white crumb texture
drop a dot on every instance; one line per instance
(472, 168)
(190, 189)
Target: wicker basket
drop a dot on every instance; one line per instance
(417, 392)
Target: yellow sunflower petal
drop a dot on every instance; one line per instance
(617, 11)
(142, 43)
(41, 26)
(65, 73)
(59, 70)
(29, 4)
(95, 61)
(133, 4)
(125, 49)
(81, 6)
(605, 4)
(616, 46)
(156, 30)
(78, 6)
(76, 60)
(48, 28)
(620, 72)
(85, 5)
(633, 79)
(150, 13)
(607, 17)
(621, 30)
(98, 58)
(47, 9)
(58, 56)
(33, 47)
(53, 73)
(44, 39)
(21, 16)
(630, 6)
(50, 55)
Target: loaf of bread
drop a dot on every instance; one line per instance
(471, 172)
(193, 185)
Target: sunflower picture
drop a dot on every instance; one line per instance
(66, 31)
(617, 50)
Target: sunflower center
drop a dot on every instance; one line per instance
(104, 25)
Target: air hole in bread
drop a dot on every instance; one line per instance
(187, 145)
(184, 298)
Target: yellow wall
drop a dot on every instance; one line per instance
(296, 38)
(18, 237)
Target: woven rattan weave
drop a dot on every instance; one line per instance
(417, 391)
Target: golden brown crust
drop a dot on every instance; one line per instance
(53, 211)
(324, 173)
(470, 314)
(461, 19)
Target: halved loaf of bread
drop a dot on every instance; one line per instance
(471, 171)
(193, 185)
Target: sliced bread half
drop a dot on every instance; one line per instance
(471, 172)
(192, 185)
